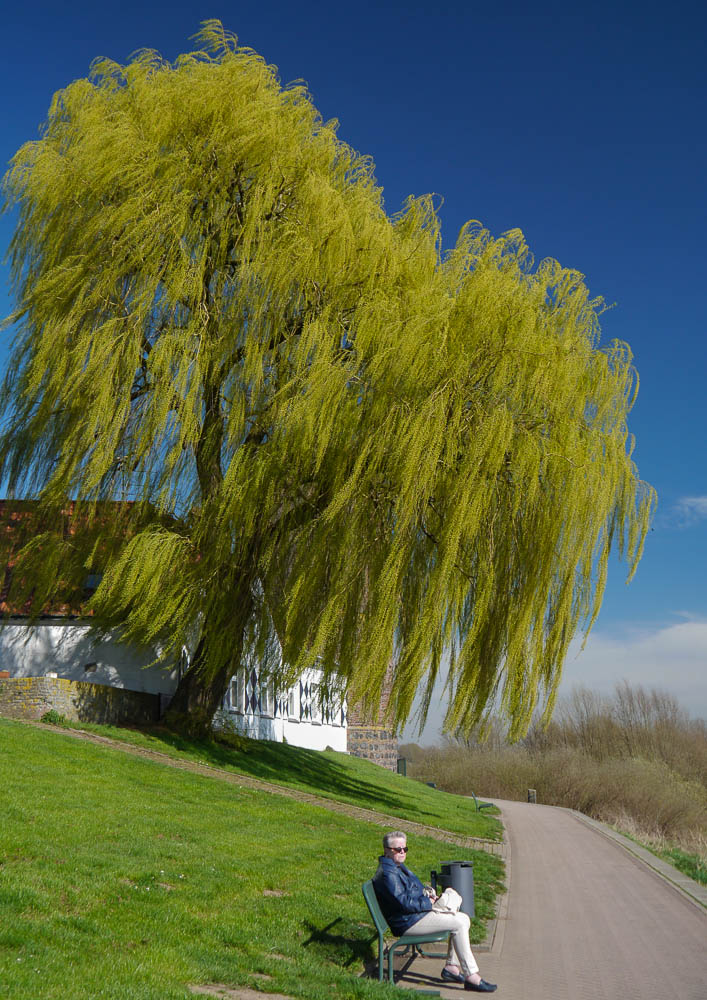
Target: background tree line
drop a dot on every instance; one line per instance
(634, 759)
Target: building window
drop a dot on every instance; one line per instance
(334, 711)
(267, 699)
(237, 692)
(293, 705)
(315, 705)
(183, 663)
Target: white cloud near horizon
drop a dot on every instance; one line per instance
(671, 658)
(688, 511)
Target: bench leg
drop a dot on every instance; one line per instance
(415, 949)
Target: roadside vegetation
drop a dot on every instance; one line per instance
(126, 879)
(634, 760)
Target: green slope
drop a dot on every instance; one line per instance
(122, 878)
(329, 774)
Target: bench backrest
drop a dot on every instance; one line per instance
(481, 805)
(369, 894)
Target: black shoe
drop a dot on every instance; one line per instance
(452, 977)
(482, 987)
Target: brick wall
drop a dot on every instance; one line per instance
(371, 737)
(31, 697)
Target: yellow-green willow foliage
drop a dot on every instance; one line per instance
(319, 420)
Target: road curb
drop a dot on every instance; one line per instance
(496, 928)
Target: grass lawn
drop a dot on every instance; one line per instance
(692, 865)
(329, 774)
(689, 864)
(122, 878)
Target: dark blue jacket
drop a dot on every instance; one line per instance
(400, 895)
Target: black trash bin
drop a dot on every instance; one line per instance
(458, 875)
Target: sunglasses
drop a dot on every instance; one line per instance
(398, 849)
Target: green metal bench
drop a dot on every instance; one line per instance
(481, 805)
(403, 943)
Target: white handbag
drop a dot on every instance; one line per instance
(448, 902)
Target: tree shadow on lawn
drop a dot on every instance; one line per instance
(315, 771)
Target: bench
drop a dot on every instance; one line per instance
(481, 805)
(403, 943)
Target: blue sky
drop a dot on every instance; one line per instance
(582, 126)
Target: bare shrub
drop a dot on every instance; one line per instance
(634, 760)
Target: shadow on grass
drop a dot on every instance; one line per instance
(348, 947)
(364, 951)
(310, 770)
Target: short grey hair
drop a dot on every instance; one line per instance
(393, 835)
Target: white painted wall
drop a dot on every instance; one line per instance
(315, 737)
(298, 734)
(66, 648)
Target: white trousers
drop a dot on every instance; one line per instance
(460, 952)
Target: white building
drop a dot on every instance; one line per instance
(295, 716)
(65, 648)
(66, 667)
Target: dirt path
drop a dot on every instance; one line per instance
(245, 781)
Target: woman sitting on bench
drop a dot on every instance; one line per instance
(408, 907)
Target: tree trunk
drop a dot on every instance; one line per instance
(197, 697)
(200, 691)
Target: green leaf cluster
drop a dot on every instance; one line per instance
(324, 427)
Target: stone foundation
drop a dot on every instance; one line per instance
(80, 701)
(368, 734)
(374, 743)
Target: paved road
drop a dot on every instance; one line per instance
(585, 920)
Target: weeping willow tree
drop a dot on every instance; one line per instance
(263, 407)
